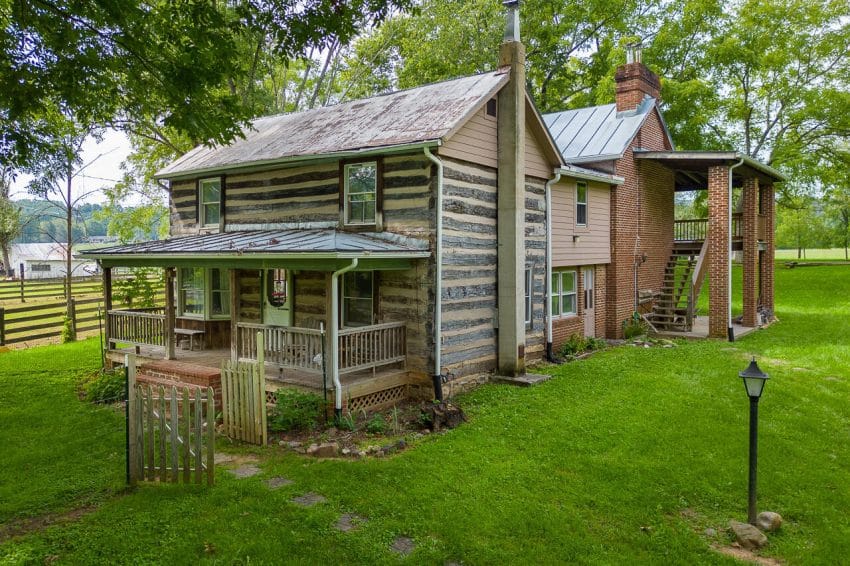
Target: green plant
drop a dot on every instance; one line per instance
(595, 344)
(376, 425)
(395, 421)
(346, 422)
(106, 387)
(575, 345)
(634, 326)
(295, 410)
(68, 334)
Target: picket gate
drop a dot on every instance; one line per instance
(243, 398)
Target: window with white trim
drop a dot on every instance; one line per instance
(529, 282)
(581, 204)
(361, 192)
(39, 267)
(564, 293)
(203, 293)
(210, 197)
(358, 293)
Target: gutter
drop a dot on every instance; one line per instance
(262, 164)
(587, 175)
(730, 332)
(548, 299)
(334, 336)
(438, 279)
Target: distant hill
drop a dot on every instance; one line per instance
(45, 222)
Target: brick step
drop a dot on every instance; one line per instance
(166, 383)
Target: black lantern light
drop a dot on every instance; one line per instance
(754, 380)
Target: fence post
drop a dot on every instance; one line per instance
(72, 315)
(21, 269)
(2, 326)
(131, 420)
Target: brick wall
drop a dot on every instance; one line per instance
(750, 252)
(601, 299)
(634, 81)
(768, 210)
(718, 250)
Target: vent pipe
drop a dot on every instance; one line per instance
(633, 52)
(512, 27)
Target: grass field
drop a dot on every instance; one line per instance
(625, 457)
(823, 254)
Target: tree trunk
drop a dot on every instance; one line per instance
(69, 218)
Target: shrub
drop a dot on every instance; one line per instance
(577, 344)
(376, 425)
(107, 387)
(634, 326)
(295, 410)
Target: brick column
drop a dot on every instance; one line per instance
(768, 211)
(749, 226)
(718, 251)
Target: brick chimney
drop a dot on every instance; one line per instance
(635, 80)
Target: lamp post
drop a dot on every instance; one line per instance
(754, 380)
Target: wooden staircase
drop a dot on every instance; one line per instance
(674, 310)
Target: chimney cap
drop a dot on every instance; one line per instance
(633, 51)
(512, 24)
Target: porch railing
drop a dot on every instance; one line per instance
(285, 346)
(370, 347)
(696, 229)
(145, 327)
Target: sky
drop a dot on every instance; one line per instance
(104, 171)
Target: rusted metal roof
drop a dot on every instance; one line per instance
(598, 133)
(324, 243)
(416, 115)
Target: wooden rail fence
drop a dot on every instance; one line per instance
(37, 322)
(23, 290)
(171, 434)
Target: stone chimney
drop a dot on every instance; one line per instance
(511, 200)
(635, 81)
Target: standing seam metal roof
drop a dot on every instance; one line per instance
(420, 114)
(598, 132)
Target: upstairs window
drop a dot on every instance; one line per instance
(564, 293)
(358, 294)
(581, 204)
(210, 202)
(361, 192)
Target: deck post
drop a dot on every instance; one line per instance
(768, 210)
(718, 250)
(169, 313)
(750, 251)
(234, 316)
(107, 304)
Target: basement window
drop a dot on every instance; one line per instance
(564, 293)
(581, 204)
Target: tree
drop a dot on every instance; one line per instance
(143, 65)
(10, 222)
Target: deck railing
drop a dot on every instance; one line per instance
(370, 347)
(142, 327)
(696, 229)
(285, 346)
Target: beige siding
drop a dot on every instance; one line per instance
(594, 245)
(475, 142)
(536, 163)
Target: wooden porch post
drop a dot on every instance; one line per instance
(718, 251)
(107, 304)
(750, 251)
(169, 313)
(234, 316)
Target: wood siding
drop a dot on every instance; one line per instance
(249, 298)
(536, 163)
(475, 142)
(408, 195)
(408, 296)
(594, 245)
(535, 259)
(311, 290)
(183, 207)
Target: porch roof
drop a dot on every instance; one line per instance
(323, 250)
(691, 167)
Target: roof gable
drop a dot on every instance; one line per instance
(416, 115)
(600, 132)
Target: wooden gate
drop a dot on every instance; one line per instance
(171, 433)
(243, 398)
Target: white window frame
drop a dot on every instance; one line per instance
(202, 204)
(207, 295)
(558, 294)
(346, 198)
(529, 293)
(581, 204)
(345, 297)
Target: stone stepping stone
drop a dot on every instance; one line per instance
(221, 458)
(309, 499)
(403, 546)
(349, 522)
(245, 471)
(277, 482)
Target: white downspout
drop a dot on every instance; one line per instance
(548, 283)
(729, 330)
(334, 335)
(438, 279)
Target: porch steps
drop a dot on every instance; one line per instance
(169, 373)
(673, 310)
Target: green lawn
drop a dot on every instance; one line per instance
(820, 254)
(625, 457)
